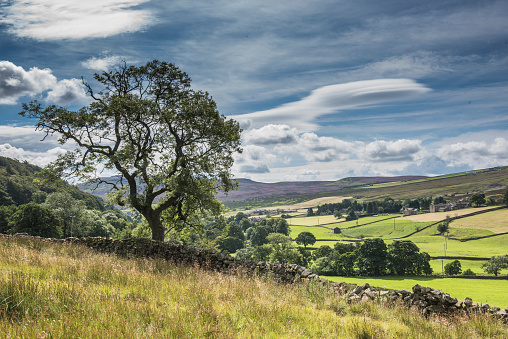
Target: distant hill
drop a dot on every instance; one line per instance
(492, 181)
(21, 183)
(248, 189)
(252, 194)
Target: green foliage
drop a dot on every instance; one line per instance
(258, 236)
(305, 238)
(276, 225)
(228, 244)
(404, 258)
(6, 213)
(496, 264)
(235, 231)
(21, 183)
(170, 147)
(477, 199)
(443, 227)
(322, 251)
(344, 263)
(453, 268)
(505, 198)
(310, 212)
(468, 272)
(323, 266)
(372, 257)
(36, 220)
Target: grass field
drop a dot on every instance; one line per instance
(492, 292)
(319, 232)
(386, 229)
(66, 291)
(495, 221)
(442, 215)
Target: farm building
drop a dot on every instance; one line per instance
(335, 230)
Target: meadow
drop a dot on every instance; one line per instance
(64, 291)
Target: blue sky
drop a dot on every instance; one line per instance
(323, 89)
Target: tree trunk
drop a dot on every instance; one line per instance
(156, 226)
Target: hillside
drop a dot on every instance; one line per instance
(492, 181)
(61, 291)
(21, 183)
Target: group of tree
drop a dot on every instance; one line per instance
(22, 183)
(372, 257)
(60, 215)
(387, 205)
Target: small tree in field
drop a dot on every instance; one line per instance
(453, 268)
(496, 264)
(305, 238)
(169, 146)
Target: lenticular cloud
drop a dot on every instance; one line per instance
(331, 99)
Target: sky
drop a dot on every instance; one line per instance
(323, 89)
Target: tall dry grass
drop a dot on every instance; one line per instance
(64, 291)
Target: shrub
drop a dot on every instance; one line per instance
(468, 272)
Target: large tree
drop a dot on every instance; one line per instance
(169, 146)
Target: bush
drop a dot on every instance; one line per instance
(468, 272)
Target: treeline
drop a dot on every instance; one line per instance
(388, 205)
(372, 257)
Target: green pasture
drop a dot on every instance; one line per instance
(436, 246)
(319, 232)
(492, 292)
(386, 229)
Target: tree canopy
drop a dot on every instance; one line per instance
(167, 144)
(305, 238)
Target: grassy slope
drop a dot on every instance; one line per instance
(63, 291)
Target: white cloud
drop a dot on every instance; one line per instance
(15, 82)
(399, 150)
(104, 63)
(67, 92)
(315, 148)
(476, 154)
(74, 19)
(330, 99)
(271, 134)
